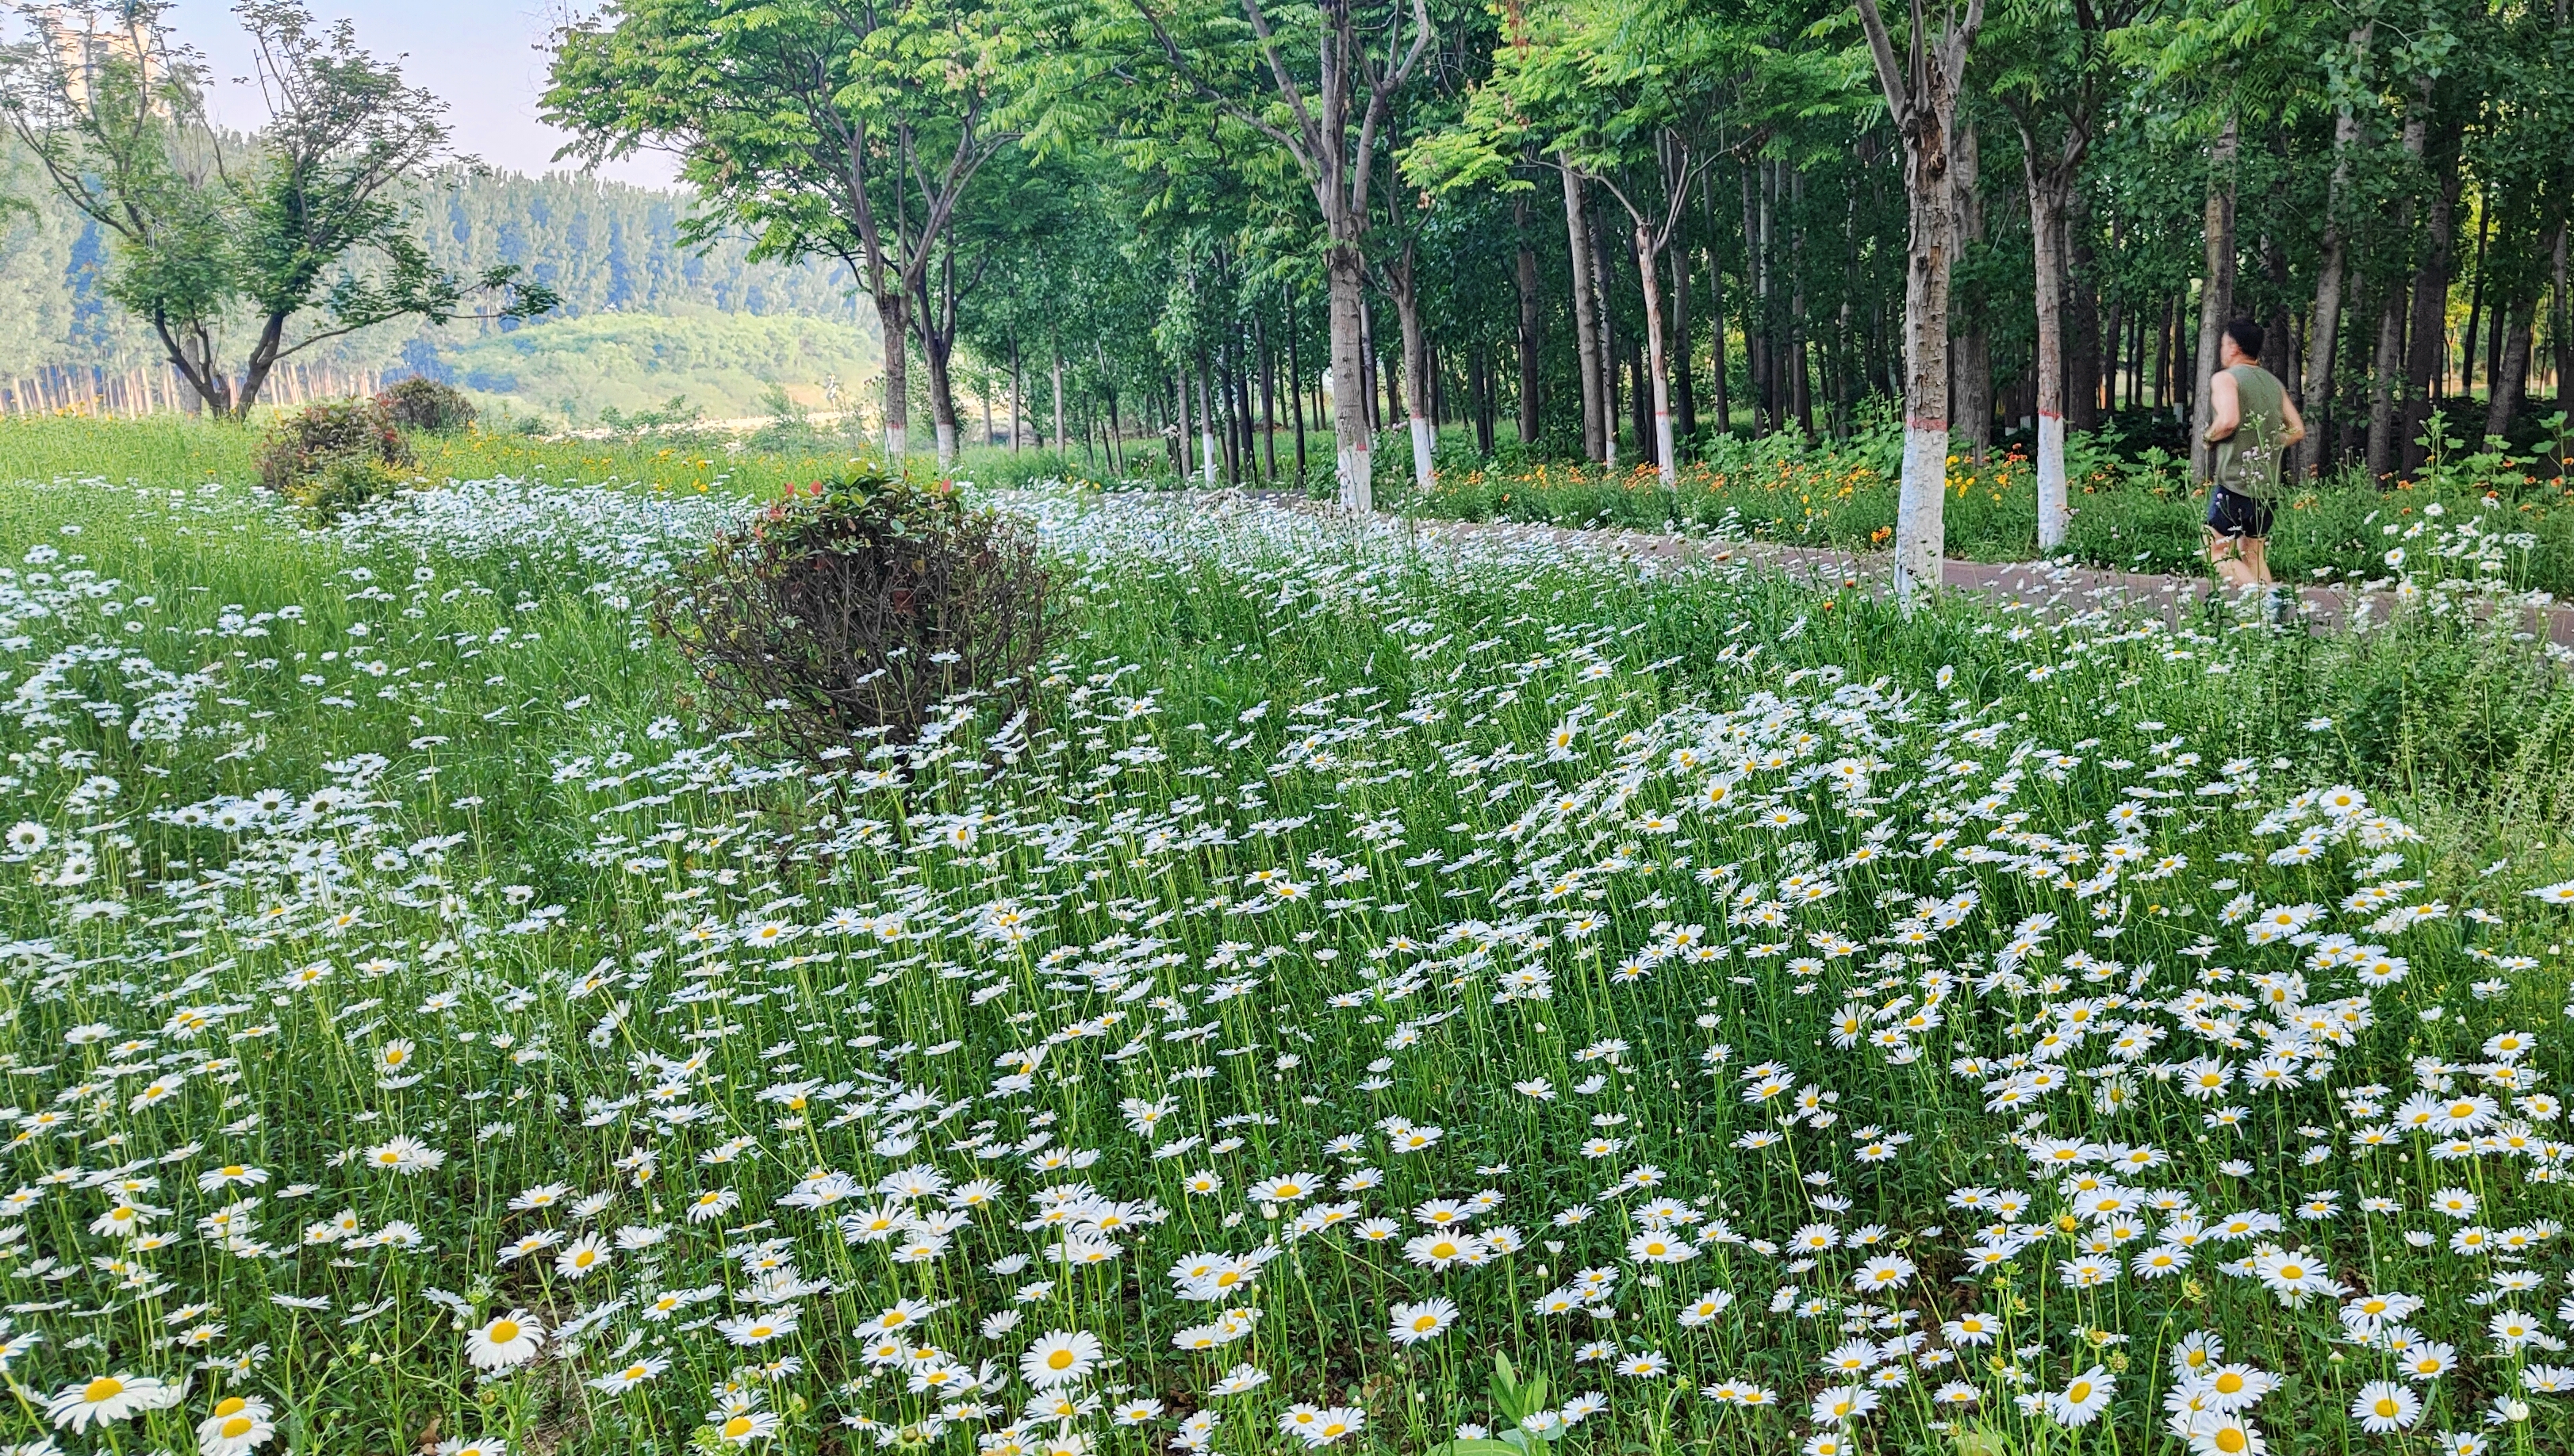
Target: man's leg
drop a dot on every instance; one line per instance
(2227, 555)
(2255, 551)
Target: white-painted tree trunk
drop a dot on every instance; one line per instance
(1919, 536)
(1206, 438)
(1353, 447)
(1648, 269)
(946, 446)
(1423, 440)
(2047, 244)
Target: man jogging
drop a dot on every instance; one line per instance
(2251, 423)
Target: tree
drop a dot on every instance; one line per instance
(302, 231)
(1320, 91)
(1921, 90)
(819, 126)
(2058, 82)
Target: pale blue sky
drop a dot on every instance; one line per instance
(484, 57)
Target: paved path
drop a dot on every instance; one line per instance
(2039, 584)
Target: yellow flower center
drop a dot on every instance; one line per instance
(104, 1388)
(503, 1331)
(1059, 1360)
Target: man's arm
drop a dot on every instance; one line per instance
(2296, 422)
(2225, 407)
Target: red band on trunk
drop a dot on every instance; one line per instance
(1926, 422)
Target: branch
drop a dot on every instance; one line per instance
(1181, 66)
(1890, 72)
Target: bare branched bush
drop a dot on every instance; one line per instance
(851, 608)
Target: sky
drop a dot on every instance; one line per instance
(485, 58)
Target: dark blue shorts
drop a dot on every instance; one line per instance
(2238, 516)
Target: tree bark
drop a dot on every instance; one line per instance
(1684, 396)
(1415, 363)
(1720, 403)
(1347, 273)
(2316, 391)
(1923, 99)
(1526, 275)
(2216, 293)
(894, 327)
(1595, 256)
(1206, 431)
(1586, 321)
(2385, 449)
(2428, 336)
(1756, 294)
(1973, 365)
(1649, 269)
(2046, 190)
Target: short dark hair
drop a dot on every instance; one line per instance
(2247, 337)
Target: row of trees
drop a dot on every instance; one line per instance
(1595, 216)
(1196, 209)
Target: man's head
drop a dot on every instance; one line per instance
(2241, 344)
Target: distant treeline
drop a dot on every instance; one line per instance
(605, 247)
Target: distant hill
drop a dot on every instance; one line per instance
(642, 318)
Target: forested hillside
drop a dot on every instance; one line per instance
(605, 248)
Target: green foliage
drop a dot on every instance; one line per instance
(425, 405)
(334, 455)
(860, 607)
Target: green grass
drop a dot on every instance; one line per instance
(1308, 839)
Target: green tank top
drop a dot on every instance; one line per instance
(2247, 462)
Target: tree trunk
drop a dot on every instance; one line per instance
(2564, 330)
(1058, 398)
(1206, 431)
(1526, 274)
(2428, 337)
(896, 329)
(1346, 273)
(1684, 396)
(1973, 363)
(1416, 365)
(2082, 323)
(1720, 403)
(1756, 295)
(1018, 393)
(1799, 339)
(1586, 319)
(1649, 269)
(2046, 192)
(1930, 250)
(2316, 393)
(2476, 295)
(1268, 397)
(2385, 449)
(2216, 294)
(1596, 253)
(1295, 389)
(2389, 358)
(2511, 373)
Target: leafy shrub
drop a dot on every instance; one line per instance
(425, 404)
(334, 455)
(854, 607)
